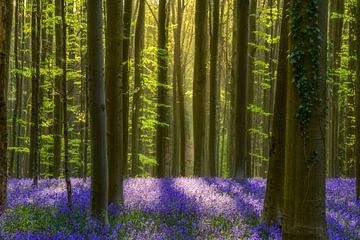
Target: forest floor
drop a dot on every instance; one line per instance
(173, 208)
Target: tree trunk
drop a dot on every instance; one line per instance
(35, 82)
(55, 170)
(357, 103)
(241, 88)
(175, 105)
(126, 58)
(180, 84)
(304, 212)
(275, 179)
(114, 104)
(161, 127)
(252, 52)
(3, 108)
(199, 84)
(65, 113)
(99, 172)
(213, 90)
(135, 131)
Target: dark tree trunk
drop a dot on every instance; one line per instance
(3, 108)
(161, 128)
(199, 84)
(241, 87)
(213, 153)
(126, 58)
(114, 104)
(99, 172)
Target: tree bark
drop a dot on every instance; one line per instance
(35, 82)
(175, 104)
(252, 52)
(99, 172)
(304, 212)
(241, 88)
(275, 178)
(199, 84)
(55, 169)
(213, 148)
(65, 113)
(114, 104)
(3, 108)
(126, 59)
(162, 125)
(180, 84)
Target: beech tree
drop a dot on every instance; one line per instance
(35, 82)
(199, 84)
(213, 90)
(55, 168)
(305, 154)
(161, 129)
(114, 98)
(99, 171)
(241, 86)
(3, 108)
(273, 204)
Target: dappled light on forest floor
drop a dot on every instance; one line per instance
(172, 208)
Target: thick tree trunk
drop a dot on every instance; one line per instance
(114, 104)
(161, 128)
(135, 131)
(304, 212)
(99, 172)
(241, 88)
(199, 84)
(275, 178)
